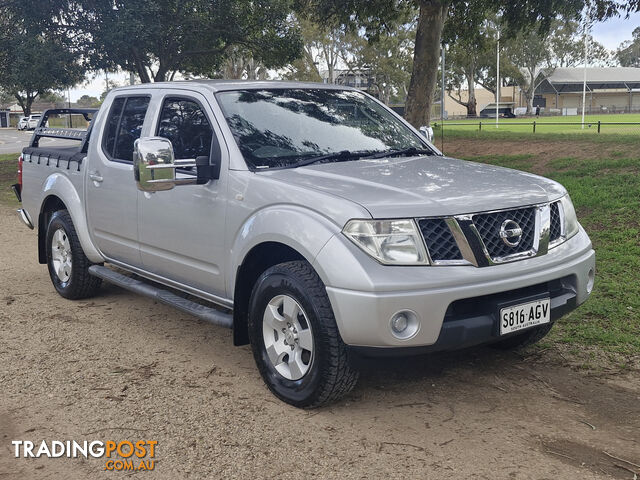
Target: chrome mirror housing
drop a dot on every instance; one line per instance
(427, 132)
(153, 164)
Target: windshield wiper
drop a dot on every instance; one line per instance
(335, 156)
(401, 152)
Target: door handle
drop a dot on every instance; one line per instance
(96, 177)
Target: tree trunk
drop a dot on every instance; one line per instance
(471, 103)
(26, 103)
(530, 90)
(528, 96)
(140, 67)
(425, 61)
(161, 73)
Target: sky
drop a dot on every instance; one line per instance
(610, 34)
(615, 31)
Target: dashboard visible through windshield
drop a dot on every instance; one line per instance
(280, 128)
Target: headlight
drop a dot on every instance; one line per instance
(571, 225)
(392, 242)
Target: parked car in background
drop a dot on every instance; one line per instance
(23, 123)
(33, 121)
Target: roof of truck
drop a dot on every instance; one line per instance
(223, 85)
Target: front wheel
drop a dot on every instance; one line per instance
(68, 265)
(295, 339)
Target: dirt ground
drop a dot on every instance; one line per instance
(542, 149)
(121, 367)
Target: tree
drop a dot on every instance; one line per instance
(324, 46)
(53, 97)
(88, 101)
(157, 38)
(375, 14)
(241, 65)
(307, 66)
(6, 98)
(628, 53)
(33, 61)
(387, 61)
(471, 42)
(37, 64)
(538, 54)
(567, 46)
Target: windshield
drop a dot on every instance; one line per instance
(281, 127)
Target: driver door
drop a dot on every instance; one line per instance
(181, 231)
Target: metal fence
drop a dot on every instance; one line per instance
(598, 126)
(539, 129)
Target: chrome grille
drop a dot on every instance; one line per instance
(556, 228)
(489, 225)
(439, 240)
(490, 238)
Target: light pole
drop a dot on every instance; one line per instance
(442, 92)
(442, 103)
(498, 79)
(586, 61)
(69, 106)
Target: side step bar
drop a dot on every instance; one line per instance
(208, 314)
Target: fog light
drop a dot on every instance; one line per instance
(404, 324)
(591, 278)
(399, 323)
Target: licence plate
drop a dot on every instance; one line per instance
(525, 315)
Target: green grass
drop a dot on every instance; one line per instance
(546, 127)
(8, 176)
(606, 194)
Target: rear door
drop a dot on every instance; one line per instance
(111, 193)
(181, 231)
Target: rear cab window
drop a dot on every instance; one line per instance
(123, 127)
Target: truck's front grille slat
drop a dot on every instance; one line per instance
(556, 227)
(439, 239)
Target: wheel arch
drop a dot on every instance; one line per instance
(59, 193)
(50, 205)
(258, 259)
(276, 234)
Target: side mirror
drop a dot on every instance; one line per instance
(153, 164)
(427, 132)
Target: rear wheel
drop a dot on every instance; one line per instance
(67, 263)
(295, 339)
(524, 339)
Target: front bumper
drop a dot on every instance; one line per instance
(365, 295)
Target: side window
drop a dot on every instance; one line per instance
(131, 122)
(183, 122)
(124, 126)
(112, 126)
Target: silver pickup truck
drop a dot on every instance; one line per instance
(311, 219)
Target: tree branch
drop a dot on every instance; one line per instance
(459, 101)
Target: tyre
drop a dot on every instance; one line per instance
(524, 339)
(295, 339)
(67, 263)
